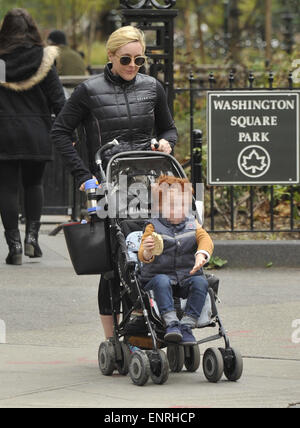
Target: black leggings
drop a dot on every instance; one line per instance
(104, 301)
(31, 177)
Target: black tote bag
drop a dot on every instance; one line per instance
(88, 247)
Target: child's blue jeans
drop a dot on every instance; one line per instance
(193, 288)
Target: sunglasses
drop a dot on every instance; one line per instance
(138, 60)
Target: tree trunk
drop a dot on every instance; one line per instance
(268, 31)
(188, 36)
(58, 14)
(91, 35)
(200, 20)
(234, 30)
(73, 23)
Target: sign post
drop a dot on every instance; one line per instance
(253, 137)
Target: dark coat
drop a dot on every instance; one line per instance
(31, 93)
(111, 108)
(69, 62)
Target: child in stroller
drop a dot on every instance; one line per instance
(140, 323)
(186, 248)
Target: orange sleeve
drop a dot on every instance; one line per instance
(148, 231)
(204, 241)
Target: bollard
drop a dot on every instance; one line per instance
(196, 173)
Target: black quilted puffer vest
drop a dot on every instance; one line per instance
(120, 110)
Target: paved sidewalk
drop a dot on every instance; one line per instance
(53, 334)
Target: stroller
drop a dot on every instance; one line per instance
(138, 339)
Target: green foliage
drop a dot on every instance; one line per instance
(216, 262)
(252, 57)
(66, 15)
(98, 53)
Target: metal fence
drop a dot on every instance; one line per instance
(227, 208)
(231, 208)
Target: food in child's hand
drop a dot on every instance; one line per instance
(158, 244)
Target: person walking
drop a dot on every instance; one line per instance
(31, 92)
(121, 104)
(69, 62)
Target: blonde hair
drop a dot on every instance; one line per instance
(125, 35)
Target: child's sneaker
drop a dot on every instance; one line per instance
(173, 333)
(187, 336)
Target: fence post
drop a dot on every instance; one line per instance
(196, 173)
(191, 81)
(196, 164)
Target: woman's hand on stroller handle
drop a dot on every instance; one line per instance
(161, 146)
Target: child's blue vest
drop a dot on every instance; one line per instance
(178, 257)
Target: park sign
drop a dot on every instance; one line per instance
(253, 137)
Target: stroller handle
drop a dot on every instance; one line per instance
(98, 155)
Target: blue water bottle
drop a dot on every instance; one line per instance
(90, 188)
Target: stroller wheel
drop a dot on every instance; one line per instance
(175, 354)
(213, 365)
(123, 366)
(233, 363)
(159, 366)
(106, 358)
(139, 368)
(192, 357)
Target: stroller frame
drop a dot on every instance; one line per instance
(142, 363)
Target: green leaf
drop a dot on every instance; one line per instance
(216, 262)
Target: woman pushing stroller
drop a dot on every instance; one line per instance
(178, 270)
(121, 104)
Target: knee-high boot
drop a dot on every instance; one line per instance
(32, 248)
(13, 239)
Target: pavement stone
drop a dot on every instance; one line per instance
(49, 358)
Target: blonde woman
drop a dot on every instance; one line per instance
(121, 104)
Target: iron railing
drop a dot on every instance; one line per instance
(226, 219)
